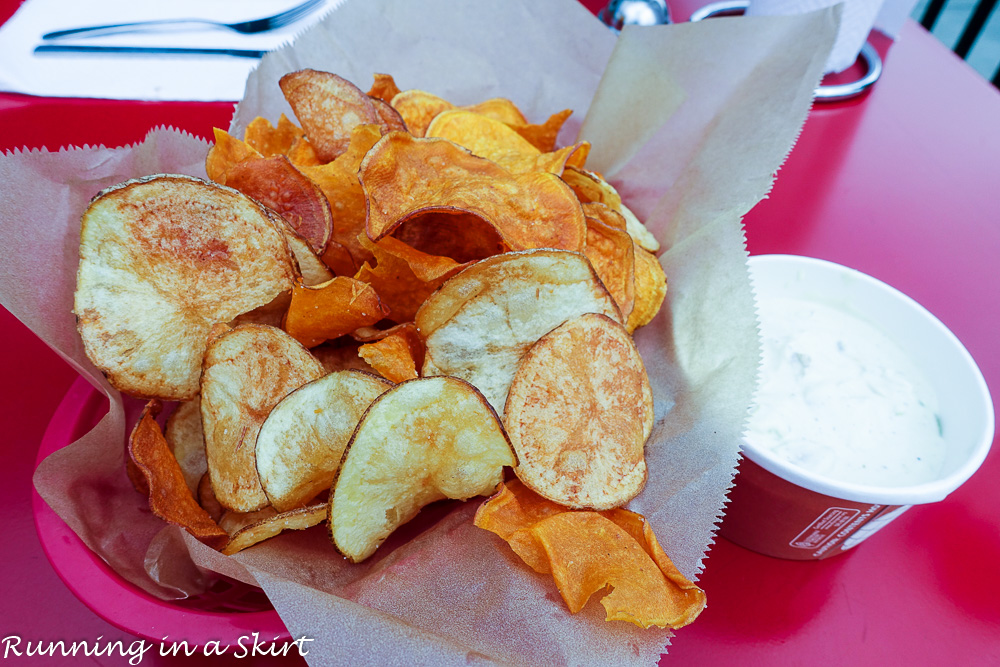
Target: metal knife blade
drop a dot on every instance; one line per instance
(148, 50)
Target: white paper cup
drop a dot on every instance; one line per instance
(783, 510)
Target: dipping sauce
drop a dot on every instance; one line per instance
(838, 398)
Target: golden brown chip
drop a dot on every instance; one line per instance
(403, 175)
(302, 441)
(226, 152)
(591, 187)
(479, 324)
(187, 441)
(588, 551)
(247, 370)
(390, 120)
(421, 441)
(650, 289)
(269, 140)
(162, 259)
(312, 269)
(328, 107)
(418, 108)
(578, 413)
(169, 495)
(331, 309)
(266, 527)
(384, 87)
(278, 185)
(543, 137)
(398, 355)
(610, 251)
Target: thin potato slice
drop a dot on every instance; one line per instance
(482, 321)
(328, 107)
(267, 527)
(578, 413)
(169, 495)
(312, 268)
(162, 259)
(247, 370)
(301, 442)
(650, 289)
(422, 441)
(403, 175)
(187, 441)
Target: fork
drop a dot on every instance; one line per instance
(265, 24)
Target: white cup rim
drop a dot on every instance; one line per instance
(927, 492)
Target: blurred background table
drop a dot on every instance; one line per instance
(900, 183)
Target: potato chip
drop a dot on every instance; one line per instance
(398, 355)
(169, 495)
(404, 277)
(247, 370)
(421, 441)
(338, 259)
(650, 289)
(208, 501)
(301, 442)
(278, 185)
(480, 323)
(384, 88)
(389, 118)
(578, 414)
(269, 140)
(590, 187)
(491, 139)
(328, 107)
(610, 251)
(403, 176)
(303, 154)
(226, 152)
(267, 527)
(162, 259)
(312, 269)
(543, 137)
(588, 551)
(331, 309)
(187, 441)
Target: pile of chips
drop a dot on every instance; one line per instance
(392, 302)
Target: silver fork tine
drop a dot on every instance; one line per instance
(278, 20)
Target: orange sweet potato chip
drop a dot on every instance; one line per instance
(227, 152)
(588, 551)
(170, 498)
(384, 88)
(403, 175)
(328, 107)
(277, 184)
(464, 237)
(332, 309)
(389, 118)
(397, 355)
(544, 136)
(418, 108)
(611, 252)
(404, 277)
(269, 140)
(650, 289)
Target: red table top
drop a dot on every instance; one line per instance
(900, 184)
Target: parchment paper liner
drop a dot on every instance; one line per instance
(691, 122)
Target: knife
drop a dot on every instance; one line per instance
(148, 50)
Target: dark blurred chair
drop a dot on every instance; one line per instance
(973, 27)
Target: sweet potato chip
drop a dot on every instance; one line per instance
(162, 259)
(496, 141)
(578, 414)
(277, 184)
(404, 277)
(418, 108)
(397, 356)
(389, 118)
(247, 370)
(267, 527)
(423, 440)
(590, 187)
(301, 442)
(331, 309)
(403, 175)
(588, 551)
(650, 289)
(610, 251)
(464, 237)
(312, 269)
(384, 88)
(225, 153)
(328, 107)
(169, 495)
(341, 355)
(303, 154)
(187, 441)
(543, 137)
(479, 324)
(269, 140)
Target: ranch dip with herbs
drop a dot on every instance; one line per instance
(838, 398)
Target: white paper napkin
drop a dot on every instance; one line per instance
(858, 19)
(141, 77)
